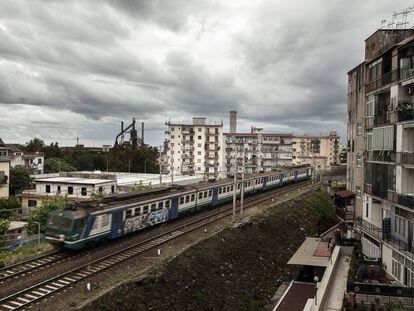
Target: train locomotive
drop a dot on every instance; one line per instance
(82, 226)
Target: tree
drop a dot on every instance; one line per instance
(19, 179)
(4, 225)
(8, 207)
(40, 213)
(36, 144)
(55, 165)
(52, 151)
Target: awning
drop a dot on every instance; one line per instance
(345, 194)
(312, 252)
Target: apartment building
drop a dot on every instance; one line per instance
(195, 148)
(261, 151)
(4, 177)
(18, 158)
(318, 151)
(381, 150)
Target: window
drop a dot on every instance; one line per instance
(210, 192)
(359, 160)
(199, 145)
(47, 189)
(192, 197)
(199, 129)
(205, 194)
(199, 137)
(187, 198)
(32, 203)
(100, 189)
(359, 128)
(128, 214)
(172, 129)
(137, 211)
(167, 204)
(83, 190)
(181, 200)
(220, 191)
(145, 209)
(160, 205)
(58, 189)
(70, 190)
(112, 189)
(200, 195)
(366, 210)
(172, 137)
(39, 161)
(370, 106)
(153, 206)
(396, 269)
(105, 220)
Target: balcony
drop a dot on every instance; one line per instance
(406, 73)
(368, 228)
(406, 200)
(387, 156)
(383, 80)
(405, 157)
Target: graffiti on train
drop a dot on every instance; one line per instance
(141, 221)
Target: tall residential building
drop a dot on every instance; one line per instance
(195, 148)
(381, 150)
(233, 121)
(262, 151)
(318, 151)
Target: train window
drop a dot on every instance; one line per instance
(187, 198)
(220, 190)
(137, 211)
(105, 220)
(145, 209)
(181, 200)
(238, 186)
(200, 195)
(231, 188)
(128, 213)
(205, 194)
(160, 205)
(210, 192)
(153, 206)
(192, 197)
(167, 204)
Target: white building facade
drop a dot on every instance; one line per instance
(195, 148)
(262, 152)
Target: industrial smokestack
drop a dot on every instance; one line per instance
(142, 133)
(233, 121)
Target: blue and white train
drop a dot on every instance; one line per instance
(84, 226)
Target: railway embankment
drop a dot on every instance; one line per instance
(238, 268)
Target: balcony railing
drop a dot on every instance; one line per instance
(406, 200)
(405, 157)
(368, 227)
(406, 73)
(383, 80)
(380, 289)
(386, 156)
(347, 215)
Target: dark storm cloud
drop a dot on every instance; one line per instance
(281, 65)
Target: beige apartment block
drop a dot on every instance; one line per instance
(325, 150)
(4, 178)
(380, 168)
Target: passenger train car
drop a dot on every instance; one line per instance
(83, 226)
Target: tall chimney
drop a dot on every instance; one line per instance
(142, 132)
(233, 121)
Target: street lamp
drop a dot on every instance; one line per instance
(38, 231)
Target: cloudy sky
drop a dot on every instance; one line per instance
(76, 68)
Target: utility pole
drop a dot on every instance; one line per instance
(172, 169)
(242, 183)
(159, 164)
(234, 188)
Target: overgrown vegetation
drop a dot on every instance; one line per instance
(19, 179)
(23, 252)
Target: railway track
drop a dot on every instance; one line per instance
(40, 291)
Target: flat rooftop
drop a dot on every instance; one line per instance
(74, 180)
(313, 252)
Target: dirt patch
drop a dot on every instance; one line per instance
(236, 269)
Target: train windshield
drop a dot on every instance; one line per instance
(59, 222)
